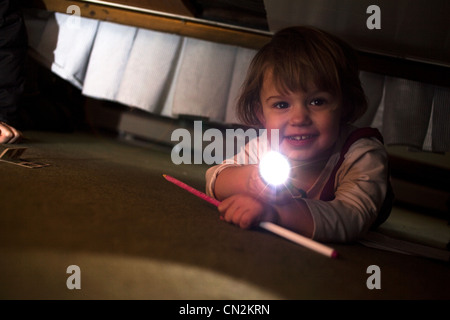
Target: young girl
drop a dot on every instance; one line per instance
(305, 85)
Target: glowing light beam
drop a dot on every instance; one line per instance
(274, 168)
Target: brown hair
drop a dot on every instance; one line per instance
(298, 56)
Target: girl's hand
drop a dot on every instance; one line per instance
(246, 211)
(266, 193)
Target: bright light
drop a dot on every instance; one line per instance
(274, 168)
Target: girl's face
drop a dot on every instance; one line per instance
(308, 122)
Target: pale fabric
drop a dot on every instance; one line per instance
(407, 112)
(148, 72)
(108, 60)
(373, 85)
(204, 79)
(62, 45)
(440, 135)
(242, 61)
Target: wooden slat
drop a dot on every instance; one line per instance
(178, 7)
(174, 25)
(406, 69)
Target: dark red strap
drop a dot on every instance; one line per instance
(328, 191)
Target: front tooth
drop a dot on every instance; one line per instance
(299, 137)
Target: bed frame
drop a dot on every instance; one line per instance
(175, 16)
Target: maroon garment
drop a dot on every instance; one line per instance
(328, 191)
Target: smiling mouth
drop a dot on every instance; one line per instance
(301, 137)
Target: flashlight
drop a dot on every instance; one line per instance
(274, 168)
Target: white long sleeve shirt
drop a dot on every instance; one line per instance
(360, 187)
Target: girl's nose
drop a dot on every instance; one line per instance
(299, 115)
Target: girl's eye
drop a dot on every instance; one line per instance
(281, 105)
(318, 102)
